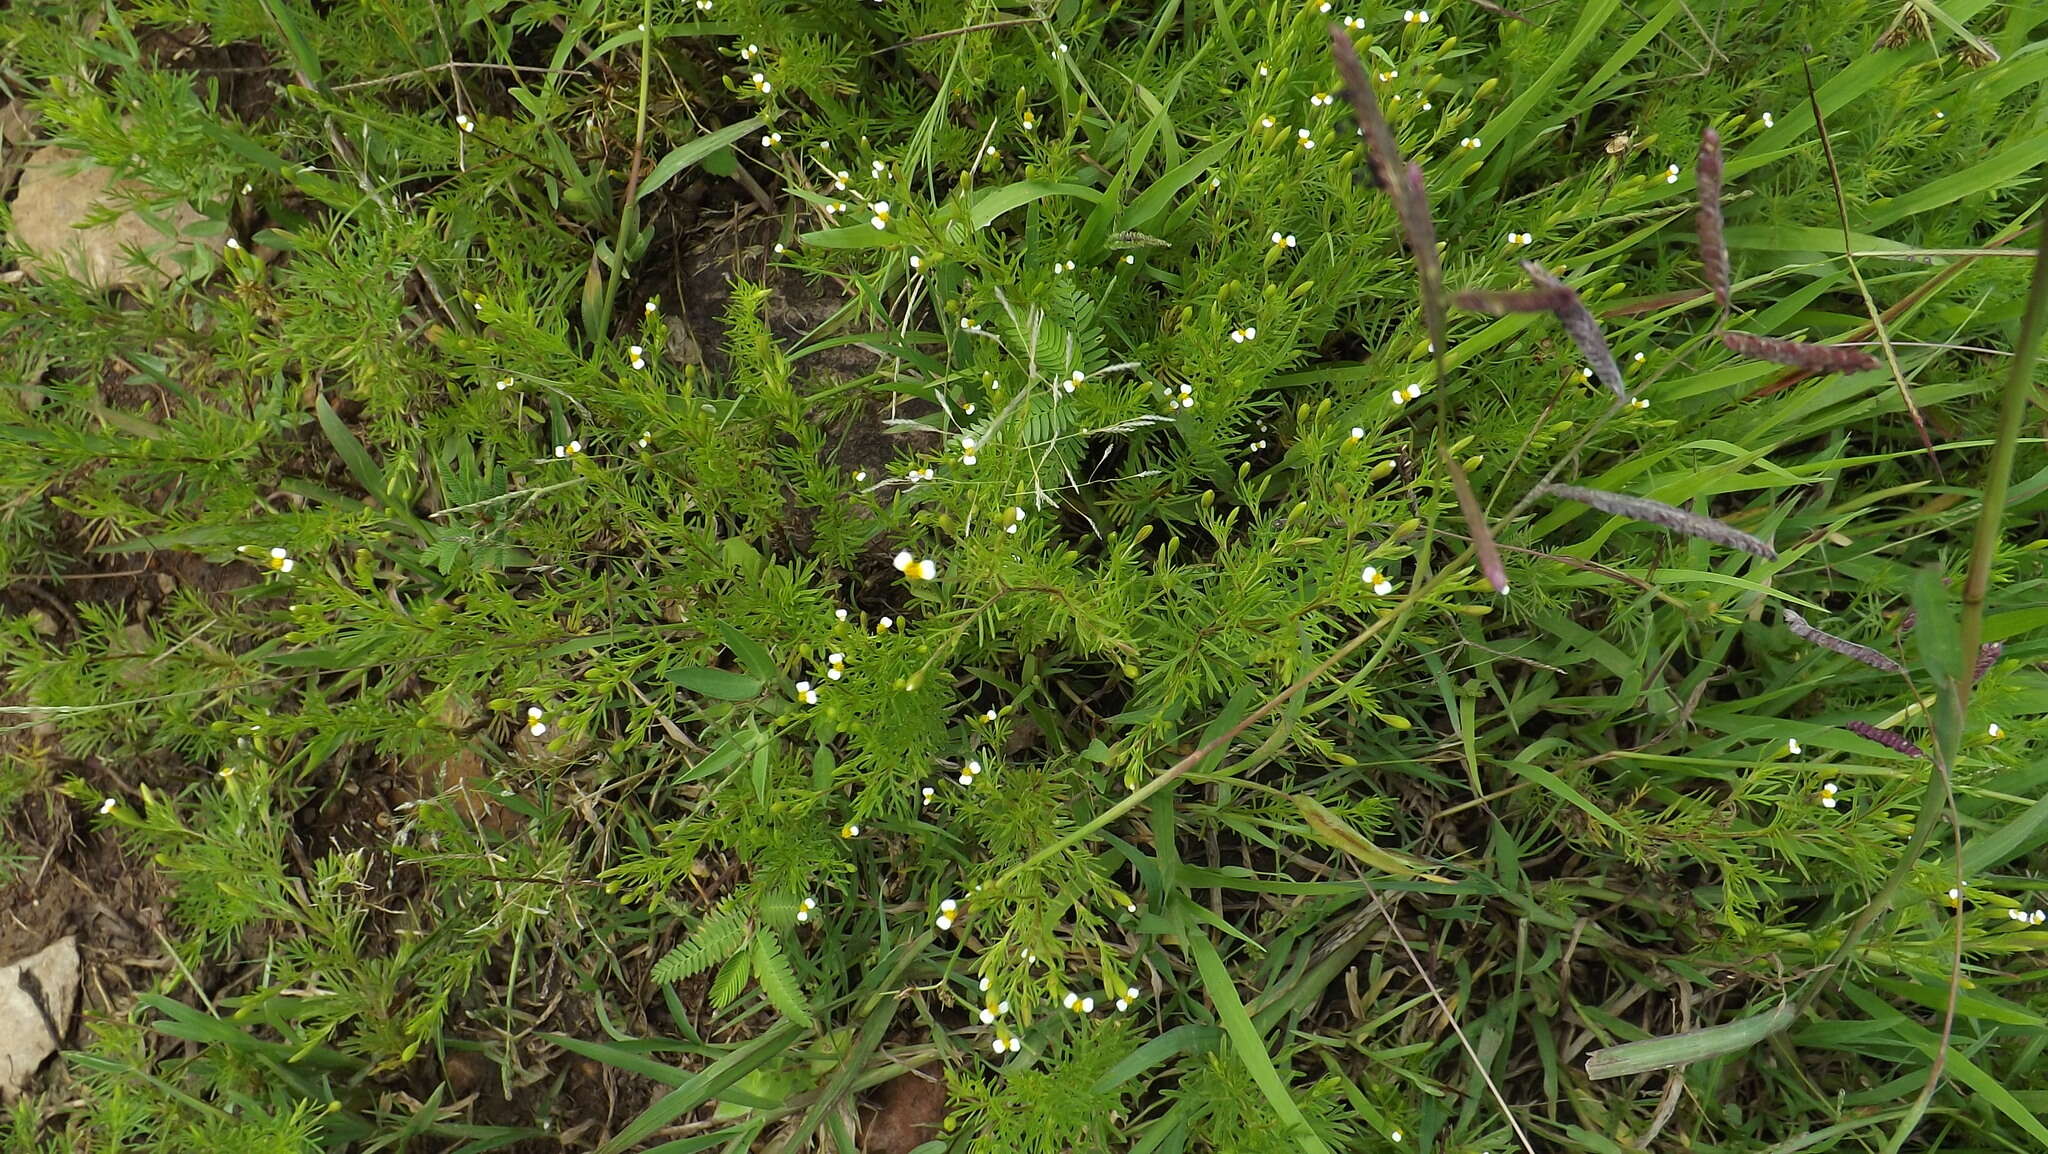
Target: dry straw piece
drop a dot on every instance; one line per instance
(1580, 326)
(1828, 641)
(1813, 358)
(1713, 245)
(1667, 516)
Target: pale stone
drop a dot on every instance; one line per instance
(60, 188)
(26, 1039)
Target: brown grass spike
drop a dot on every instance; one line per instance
(1503, 303)
(1884, 737)
(1475, 521)
(1813, 358)
(1413, 205)
(1580, 326)
(1666, 516)
(1828, 641)
(1713, 245)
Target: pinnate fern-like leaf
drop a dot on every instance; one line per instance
(778, 981)
(719, 936)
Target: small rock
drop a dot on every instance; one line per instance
(37, 994)
(59, 188)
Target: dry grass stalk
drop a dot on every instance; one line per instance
(1884, 737)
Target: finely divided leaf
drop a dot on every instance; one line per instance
(718, 937)
(1658, 513)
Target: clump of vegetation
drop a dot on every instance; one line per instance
(687, 563)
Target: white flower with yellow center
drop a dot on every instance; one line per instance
(108, 805)
(1994, 731)
(805, 908)
(1519, 238)
(1415, 16)
(463, 122)
(805, 693)
(750, 51)
(1769, 120)
(760, 81)
(1639, 403)
(1016, 519)
(1404, 395)
(849, 831)
(1830, 795)
(279, 561)
(1283, 240)
(1376, 581)
(1670, 174)
(771, 140)
(536, 721)
(1247, 333)
(947, 909)
(880, 219)
(925, 795)
(572, 449)
(1469, 142)
(504, 383)
(1267, 122)
(967, 446)
(837, 662)
(1357, 434)
(1304, 138)
(638, 355)
(1028, 121)
(1793, 747)
(970, 771)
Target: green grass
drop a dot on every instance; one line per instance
(517, 769)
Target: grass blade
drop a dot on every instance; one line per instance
(1664, 516)
(1245, 1039)
(1642, 1057)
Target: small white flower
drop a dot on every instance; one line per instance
(1517, 238)
(1087, 1005)
(925, 795)
(1768, 121)
(1016, 519)
(1404, 395)
(880, 219)
(1130, 907)
(638, 356)
(944, 922)
(1357, 433)
(779, 249)
(1469, 142)
(247, 188)
(1324, 7)
(1585, 374)
(804, 909)
(806, 694)
(885, 624)
(1303, 138)
(463, 122)
(771, 140)
(1416, 16)
(1395, 1135)
(1390, 74)
(1028, 121)
(2016, 915)
(837, 661)
(990, 714)
(1070, 1000)
(2037, 917)
(572, 449)
(646, 438)
(1355, 23)
(1378, 582)
(1940, 115)
(904, 560)
(649, 307)
(860, 477)
(1130, 259)
(1264, 72)
(535, 724)
(1671, 174)
(750, 51)
(849, 830)
(840, 614)
(278, 560)
(1792, 746)
(108, 806)
(1266, 122)
(926, 570)
(1830, 795)
(234, 244)
(916, 261)
(703, 5)
(1994, 731)
(1955, 896)
(761, 82)
(1283, 240)
(968, 408)
(991, 153)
